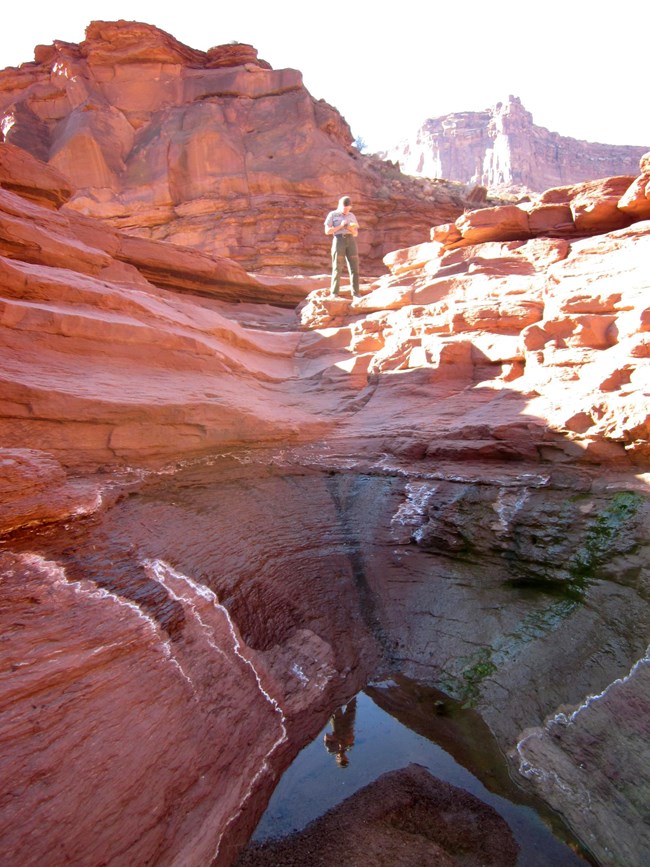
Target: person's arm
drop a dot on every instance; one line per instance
(341, 221)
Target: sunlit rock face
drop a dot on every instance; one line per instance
(227, 502)
(502, 149)
(212, 150)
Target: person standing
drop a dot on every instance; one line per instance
(344, 226)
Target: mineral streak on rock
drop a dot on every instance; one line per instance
(69, 698)
(502, 149)
(227, 501)
(573, 752)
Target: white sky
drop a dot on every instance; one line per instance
(579, 66)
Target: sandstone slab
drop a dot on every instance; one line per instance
(492, 224)
(636, 198)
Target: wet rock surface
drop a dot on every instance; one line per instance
(343, 584)
(406, 817)
(69, 697)
(222, 515)
(602, 746)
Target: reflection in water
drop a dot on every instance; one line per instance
(341, 739)
(393, 724)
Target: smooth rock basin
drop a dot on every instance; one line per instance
(174, 652)
(396, 723)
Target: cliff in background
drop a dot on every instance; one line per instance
(212, 150)
(502, 149)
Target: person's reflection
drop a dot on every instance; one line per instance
(341, 739)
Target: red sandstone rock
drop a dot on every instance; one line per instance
(29, 177)
(493, 224)
(447, 234)
(583, 209)
(636, 199)
(402, 261)
(120, 42)
(210, 150)
(570, 338)
(571, 747)
(595, 205)
(389, 295)
(34, 489)
(71, 651)
(445, 290)
(523, 257)
(235, 54)
(527, 351)
(107, 312)
(58, 239)
(545, 219)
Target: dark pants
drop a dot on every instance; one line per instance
(344, 248)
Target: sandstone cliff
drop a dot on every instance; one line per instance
(219, 519)
(502, 149)
(212, 150)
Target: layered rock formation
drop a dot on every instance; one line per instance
(220, 519)
(213, 150)
(502, 149)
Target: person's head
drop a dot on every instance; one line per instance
(345, 203)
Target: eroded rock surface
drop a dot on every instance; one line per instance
(70, 651)
(222, 515)
(602, 744)
(211, 150)
(239, 649)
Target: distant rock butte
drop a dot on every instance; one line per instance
(212, 150)
(502, 149)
